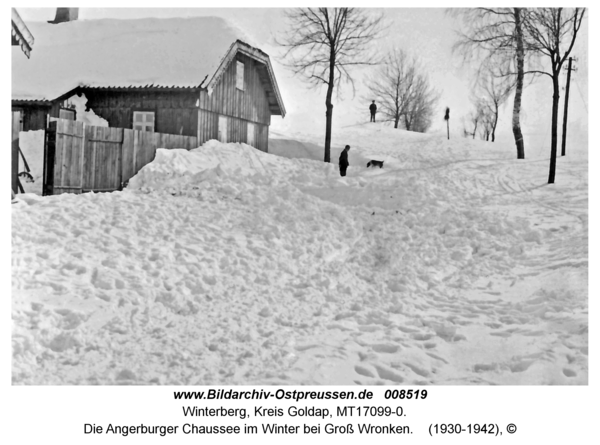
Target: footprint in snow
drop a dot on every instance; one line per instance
(482, 367)
(521, 366)
(422, 337)
(389, 374)
(364, 371)
(386, 348)
(417, 369)
(126, 374)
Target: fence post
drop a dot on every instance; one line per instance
(49, 159)
(564, 129)
(16, 126)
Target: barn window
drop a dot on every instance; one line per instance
(250, 138)
(143, 120)
(66, 113)
(240, 76)
(222, 129)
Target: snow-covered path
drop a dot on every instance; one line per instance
(454, 264)
(507, 279)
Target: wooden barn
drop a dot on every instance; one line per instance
(190, 77)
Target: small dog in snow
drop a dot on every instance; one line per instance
(375, 163)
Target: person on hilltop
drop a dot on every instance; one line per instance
(344, 160)
(373, 110)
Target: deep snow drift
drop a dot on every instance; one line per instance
(454, 264)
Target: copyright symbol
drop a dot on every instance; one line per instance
(511, 428)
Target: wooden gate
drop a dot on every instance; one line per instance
(16, 127)
(102, 170)
(81, 158)
(63, 158)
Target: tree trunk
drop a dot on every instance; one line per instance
(329, 121)
(495, 124)
(329, 108)
(553, 147)
(396, 122)
(520, 53)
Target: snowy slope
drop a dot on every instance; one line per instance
(454, 264)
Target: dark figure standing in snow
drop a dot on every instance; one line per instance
(373, 110)
(344, 160)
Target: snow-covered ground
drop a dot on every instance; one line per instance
(454, 264)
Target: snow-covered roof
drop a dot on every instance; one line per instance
(175, 52)
(20, 34)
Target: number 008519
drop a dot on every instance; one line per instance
(406, 394)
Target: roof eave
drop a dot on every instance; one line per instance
(82, 88)
(31, 102)
(20, 33)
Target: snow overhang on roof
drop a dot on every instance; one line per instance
(111, 53)
(267, 75)
(150, 53)
(20, 35)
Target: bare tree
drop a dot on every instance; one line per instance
(486, 128)
(493, 90)
(498, 34)
(403, 92)
(392, 85)
(324, 43)
(422, 101)
(487, 123)
(475, 118)
(552, 32)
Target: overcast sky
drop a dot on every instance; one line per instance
(427, 33)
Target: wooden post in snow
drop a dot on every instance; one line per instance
(447, 119)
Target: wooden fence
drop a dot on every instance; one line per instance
(81, 158)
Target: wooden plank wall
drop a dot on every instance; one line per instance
(65, 143)
(139, 148)
(262, 139)
(34, 117)
(208, 128)
(81, 158)
(251, 104)
(175, 111)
